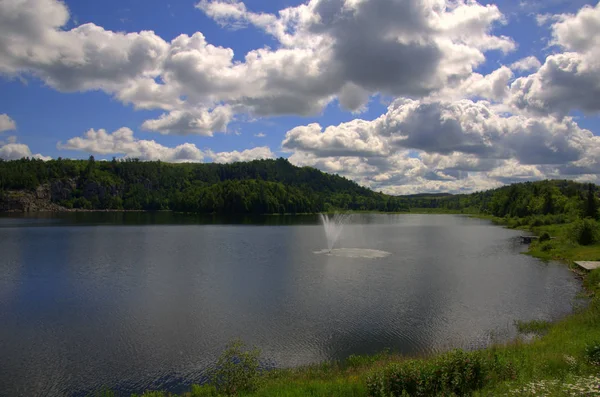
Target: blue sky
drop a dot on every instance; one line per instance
(71, 67)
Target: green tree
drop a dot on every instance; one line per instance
(591, 208)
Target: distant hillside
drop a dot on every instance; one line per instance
(550, 197)
(426, 195)
(261, 186)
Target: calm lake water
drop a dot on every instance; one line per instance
(136, 301)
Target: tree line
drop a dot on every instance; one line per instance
(521, 200)
(267, 187)
(260, 186)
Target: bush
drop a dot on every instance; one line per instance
(536, 222)
(357, 361)
(546, 247)
(592, 281)
(237, 370)
(592, 353)
(585, 231)
(534, 326)
(456, 373)
(83, 203)
(544, 237)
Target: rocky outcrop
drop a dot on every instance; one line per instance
(20, 201)
(62, 189)
(47, 196)
(93, 189)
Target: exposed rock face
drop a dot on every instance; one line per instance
(93, 189)
(45, 197)
(20, 201)
(62, 189)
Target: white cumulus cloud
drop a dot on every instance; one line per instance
(570, 79)
(453, 145)
(122, 142)
(199, 122)
(257, 153)
(6, 123)
(326, 49)
(15, 151)
(526, 64)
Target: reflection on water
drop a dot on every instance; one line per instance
(363, 253)
(135, 301)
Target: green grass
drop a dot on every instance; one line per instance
(561, 247)
(532, 327)
(468, 211)
(554, 363)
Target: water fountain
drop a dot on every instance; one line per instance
(334, 226)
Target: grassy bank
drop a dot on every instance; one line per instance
(562, 246)
(467, 211)
(559, 359)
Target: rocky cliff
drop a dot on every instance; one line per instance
(21, 201)
(47, 197)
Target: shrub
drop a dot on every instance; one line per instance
(585, 231)
(456, 373)
(536, 222)
(356, 361)
(592, 281)
(592, 353)
(544, 237)
(547, 246)
(237, 370)
(534, 326)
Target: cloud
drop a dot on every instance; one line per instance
(260, 135)
(526, 64)
(83, 58)
(354, 138)
(199, 122)
(227, 14)
(568, 80)
(6, 123)
(10, 149)
(16, 151)
(493, 87)
(122, 142)
(326, 49)
(257, 153)
(454, 145)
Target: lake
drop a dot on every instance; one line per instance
(134, 301)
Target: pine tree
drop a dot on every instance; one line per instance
(591, 208)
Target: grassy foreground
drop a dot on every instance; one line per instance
(562, 359)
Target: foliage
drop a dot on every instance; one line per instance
(585, 231)
(260, 186)
(534, 203)
(274, 186)
(544, 237)
(592, 353)
(358, 361)
(591, 208)
(577, 386)
(592, 281)
(237, 370)
(534, 326)
(455, 373)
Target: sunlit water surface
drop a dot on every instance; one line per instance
(138, 301)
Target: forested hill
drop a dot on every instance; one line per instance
(560, 198)
(260, 186)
